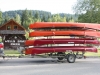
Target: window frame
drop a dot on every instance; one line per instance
(9, 27)
(15, 26)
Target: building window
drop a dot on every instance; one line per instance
(8, 27)
(15, 27)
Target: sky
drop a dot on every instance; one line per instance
(53, 6)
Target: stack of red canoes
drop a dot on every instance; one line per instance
(89, 31)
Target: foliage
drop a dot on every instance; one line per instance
(27, 34)
(6, 18)
(57, 18)
(88, 10)
(1, 19)
(0, 40)
(17, 18)
(26, 17)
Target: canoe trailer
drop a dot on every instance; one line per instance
(62, 40)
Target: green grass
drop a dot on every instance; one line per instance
(11, 53)
(92, 53)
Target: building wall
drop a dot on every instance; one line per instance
(9, 35)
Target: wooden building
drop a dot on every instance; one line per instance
(13, 34)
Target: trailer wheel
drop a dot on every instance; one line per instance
(60, 54)
(71, 58)
(60, 58)
(79, 56)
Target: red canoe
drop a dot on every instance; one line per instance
(40, 50)
(63, 24)
(40, 42)
(64, 33)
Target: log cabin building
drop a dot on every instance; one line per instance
(13, 34)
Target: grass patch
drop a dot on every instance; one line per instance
(11, 52)
(92, 53)
(12, 55)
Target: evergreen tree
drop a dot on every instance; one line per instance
(43, 18)
(31, 17)
(1, 19)
(49, 18)
(6, 18)
(36, 17)
(57, 18)
(17, 18)
(24, 18)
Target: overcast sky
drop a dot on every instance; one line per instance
(53, 6)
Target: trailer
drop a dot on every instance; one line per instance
(86, 42)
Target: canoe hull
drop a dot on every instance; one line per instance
(40, 50)
(40, 42)
(64, 33)
(63, 24)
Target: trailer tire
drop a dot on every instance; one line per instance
(71, 58)
(79, 56)
(60, 58)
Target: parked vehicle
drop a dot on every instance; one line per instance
(2, 50)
